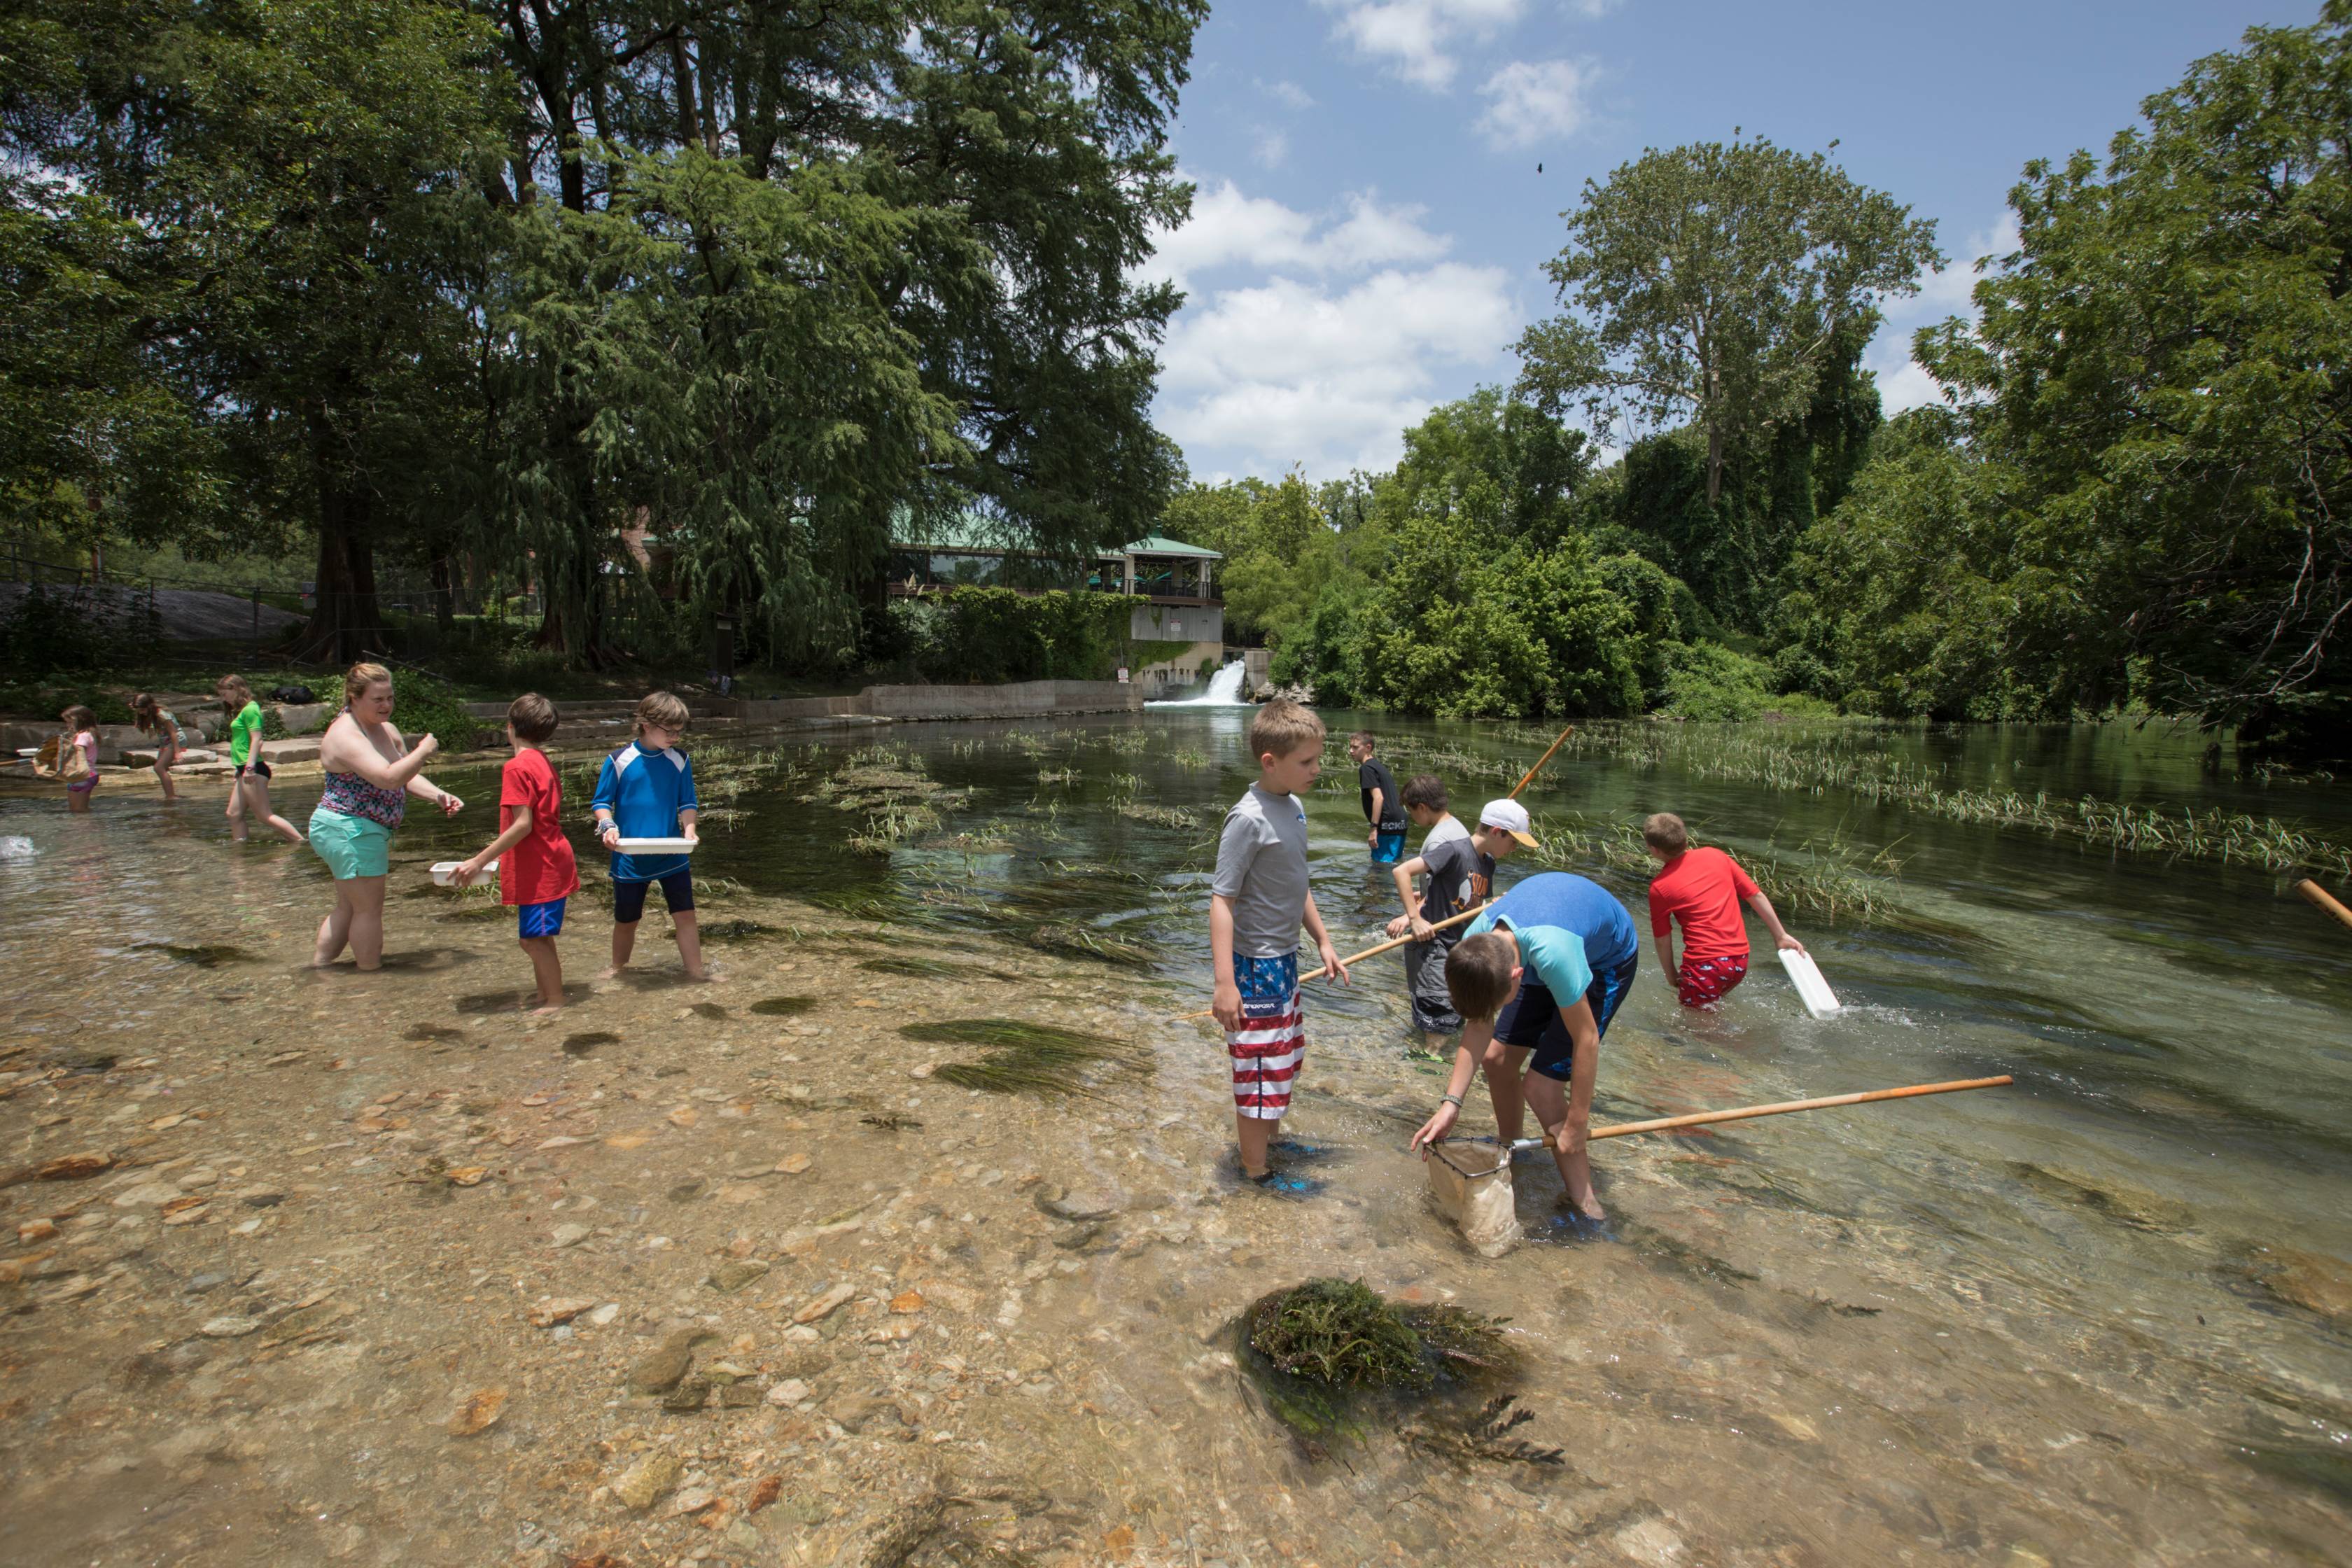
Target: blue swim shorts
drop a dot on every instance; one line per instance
(1531, 1020)
(539, 919)
(1389, 848)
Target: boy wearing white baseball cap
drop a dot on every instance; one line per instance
(1461, 873)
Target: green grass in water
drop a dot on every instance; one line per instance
(931, 969)
(1074, 941)
(782, 1006)
(1024, 1058)
(1343, 1333)
(205, 956)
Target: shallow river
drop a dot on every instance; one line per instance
(2102, 1316)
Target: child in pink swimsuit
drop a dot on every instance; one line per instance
(81, 725)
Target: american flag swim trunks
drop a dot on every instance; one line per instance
(1268, 1047)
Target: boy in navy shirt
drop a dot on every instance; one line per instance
(646, 791)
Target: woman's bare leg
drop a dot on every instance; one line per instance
(261, 808)
(367, 920)
(335, 930)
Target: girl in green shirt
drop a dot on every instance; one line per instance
(250, 795)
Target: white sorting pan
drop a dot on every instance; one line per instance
(1812, 989)
(444, 872)
(656, 846)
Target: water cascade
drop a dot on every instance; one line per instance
(1224, 691)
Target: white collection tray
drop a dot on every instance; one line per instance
(654, 846)
(1812, 989)
(444, 872)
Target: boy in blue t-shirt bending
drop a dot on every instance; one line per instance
(1536, 980)
(646, 791)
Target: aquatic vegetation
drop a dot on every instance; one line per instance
(1073, 940)
(896, 824)
(735, 931)
(1159, 815)
(206, 955)
(1340, 1332)
(932, 969)
(782, 1006)
(1825, 878)
(890, 1121)
(423, 1034)
(1124, 783)
(1485, 1435)
(1814, 758)
(1129, 742)
(1188, 757)
(1037, 1058)
(1058, 775)
(582, 1044)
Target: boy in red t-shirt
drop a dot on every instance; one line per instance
(1703, 889)
(538, 872)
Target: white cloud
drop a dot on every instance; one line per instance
(1414, 37)
(1531, 102)
(1290, 372)
(1273, 149)
(1318, 337)
(1903, 381)
(1228, 228)
(1592, 9)
(1289, 94)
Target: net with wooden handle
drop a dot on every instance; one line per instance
(2325, 899)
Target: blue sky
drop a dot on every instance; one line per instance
(1369, 228)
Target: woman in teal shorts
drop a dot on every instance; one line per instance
(370, 775)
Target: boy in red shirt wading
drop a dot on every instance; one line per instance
(537, 872)
(1703, 887)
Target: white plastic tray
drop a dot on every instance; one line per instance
(444, 871)
(656, 846)
(1812, 989)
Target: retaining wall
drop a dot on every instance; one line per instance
(1019, 700)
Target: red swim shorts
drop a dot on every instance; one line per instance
(1705, 982)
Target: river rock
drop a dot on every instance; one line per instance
(230, 1328)
(824, 1306)
(789, 1392)
(146, 1194)
(569, 1233)
(647, 1484)
(661, 1368)
(731, 1276)
(2311, 1280)
(857, 1412)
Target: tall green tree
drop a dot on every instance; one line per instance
(2162, 366)
(300, 167)
(1717, 284)
(1016, 154)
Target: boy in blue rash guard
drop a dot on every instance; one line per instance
(1541, 973)
(646, 791)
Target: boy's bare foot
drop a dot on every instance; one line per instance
(610, 971)
(544, 1009)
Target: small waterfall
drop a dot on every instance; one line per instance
(1224, 691)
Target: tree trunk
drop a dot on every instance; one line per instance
(445, 592)
(347, 622)
(1713, 466)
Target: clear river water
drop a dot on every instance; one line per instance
(2101, 1316)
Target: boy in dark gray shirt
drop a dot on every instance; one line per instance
(1257, 901)
(1461, 873)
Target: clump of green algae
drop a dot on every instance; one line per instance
(1333, 1359)
(1036, 1058)
(1342, 1332)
